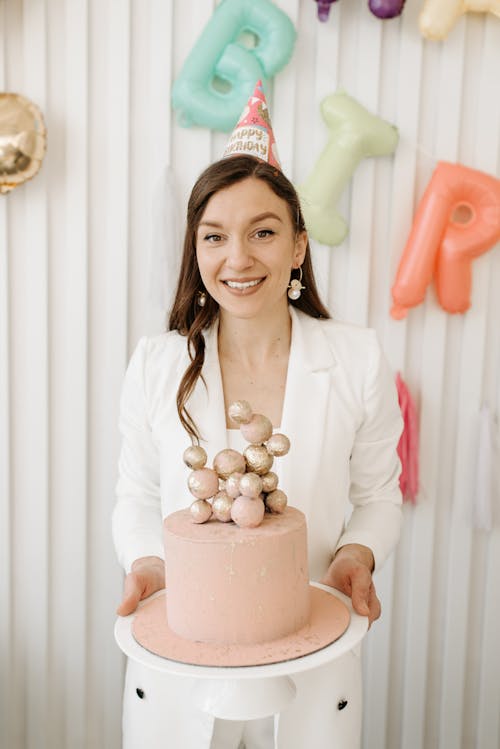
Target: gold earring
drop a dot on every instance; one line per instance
(295, 287)
(201, 299)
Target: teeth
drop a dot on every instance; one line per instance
(238, 285)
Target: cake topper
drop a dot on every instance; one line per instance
(239, 487)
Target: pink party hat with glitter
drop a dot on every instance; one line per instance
(253, 135)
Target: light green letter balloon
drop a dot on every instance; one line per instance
(354, 135)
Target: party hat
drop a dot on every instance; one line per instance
(253, 135)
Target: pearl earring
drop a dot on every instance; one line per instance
(295, 287)
(201, 299)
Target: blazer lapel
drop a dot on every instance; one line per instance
(305, 408)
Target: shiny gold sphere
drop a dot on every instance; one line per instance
(250, 485)
(240, 412)
(195, 457)
(278, 444)
(22, 140)
(221, 507)
(200, 511)
(258, 459)
(276, 501)
(227, 462)
(269, 482)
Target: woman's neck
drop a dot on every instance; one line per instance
(253, 342)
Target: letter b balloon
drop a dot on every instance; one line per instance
(220, 72)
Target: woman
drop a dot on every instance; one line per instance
(235, 334)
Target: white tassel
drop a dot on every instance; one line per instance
(486, 471)
(165, 250)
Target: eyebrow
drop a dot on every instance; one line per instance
(254, 220)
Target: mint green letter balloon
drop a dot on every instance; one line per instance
(355, 134)
(223, 67)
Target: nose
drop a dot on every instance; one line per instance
(239, 257)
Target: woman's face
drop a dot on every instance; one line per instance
(246, 248)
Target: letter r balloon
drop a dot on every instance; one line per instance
(221, 70)
(457, 220)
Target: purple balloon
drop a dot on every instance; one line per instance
(386, 8)
(324, 9)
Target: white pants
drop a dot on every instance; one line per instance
(251, 734)
(325, 714)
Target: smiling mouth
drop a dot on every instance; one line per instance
(242, 285)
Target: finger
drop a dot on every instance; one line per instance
(374, 605)
(131, 595)
(128, 604)
(361, 581)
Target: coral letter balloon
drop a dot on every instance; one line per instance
(457, 220)
(220, 72)
(355, 134)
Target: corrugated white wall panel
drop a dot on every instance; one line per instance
(111, 60)
(68, 163)
(75, 296)
(5, 470)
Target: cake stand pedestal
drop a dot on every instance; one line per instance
(245, 692)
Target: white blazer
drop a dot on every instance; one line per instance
(340, 412)
(342, 416)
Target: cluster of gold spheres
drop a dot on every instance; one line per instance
(239, 487)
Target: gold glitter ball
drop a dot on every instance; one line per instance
(258, 459)
(250, 485)
(200, 511)
(278, 444)
(240, 412)
(195, 457)
(276, 501)
(227, 462)
(221, 507)
(269, 482)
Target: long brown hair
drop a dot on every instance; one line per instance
(186, 315)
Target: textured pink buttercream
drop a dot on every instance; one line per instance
(232, 585)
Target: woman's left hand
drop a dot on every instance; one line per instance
(351, 573)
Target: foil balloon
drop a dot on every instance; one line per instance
(244, 41)
(438, 17)
(324, 9)
(355, 134)
(22, 140)
(386, 8)
(457, 220)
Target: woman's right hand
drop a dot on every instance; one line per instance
(145, 578)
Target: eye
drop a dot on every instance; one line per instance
(264, 233)
(212, 238)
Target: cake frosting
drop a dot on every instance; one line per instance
(236, 586)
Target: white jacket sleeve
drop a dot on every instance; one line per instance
(375, 467)
(137, 518)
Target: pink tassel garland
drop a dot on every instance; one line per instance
(408, 444)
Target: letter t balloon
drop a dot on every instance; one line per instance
(355, 134)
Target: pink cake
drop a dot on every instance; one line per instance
(229, 585)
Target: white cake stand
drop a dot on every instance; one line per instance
(245, 692)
